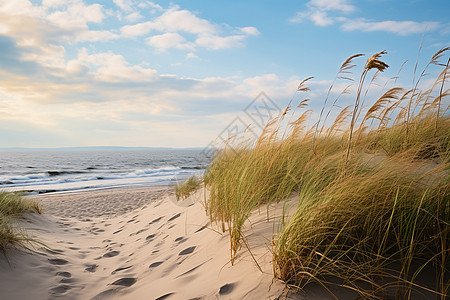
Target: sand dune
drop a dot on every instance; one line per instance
(136, 244)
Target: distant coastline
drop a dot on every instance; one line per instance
(100, 148)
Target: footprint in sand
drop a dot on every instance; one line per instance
(105, 294)
(64, 274)
(187, 251)
(111, 254)
(47, 269)
(54, 251)
(155, 220)
(126, 281)
(120, 269)
(174, 217)
(60, 289)
(140, 231)
(164, 296)
(150, 237)
(226, 289)
(58, 261)
(180, 239)
(91, 268)
(155, 264)
(202, 228)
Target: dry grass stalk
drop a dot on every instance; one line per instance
(358, 215)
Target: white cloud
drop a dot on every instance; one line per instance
(271, 84)
(217, 42)
(397, 27)
(321, 18)
(177, 26)
(20, 7)
(318, 11)
(110, 67)
(331, 5)
(77, 16)
(43, 30)
(103, 91)
(34, 37)
(172, 20)
(149, 4)
(125, 5)
(96, 36)
(191, 55)
(300, 17)
(134, 16)
(183, 20)
(137, 29)
(53, 3)
(49, 56)
(250, 30)
(169, 40)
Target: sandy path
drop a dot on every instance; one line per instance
(135, 244)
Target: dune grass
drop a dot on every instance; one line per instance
(13, 205)
(185, 188)
(373, 187)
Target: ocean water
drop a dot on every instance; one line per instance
(39, 171)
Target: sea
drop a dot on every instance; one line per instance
(47, 171)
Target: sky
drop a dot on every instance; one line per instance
(144, 73)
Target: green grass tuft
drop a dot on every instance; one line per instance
(14, 205)
(184, 189)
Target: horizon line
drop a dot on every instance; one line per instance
(101, 148)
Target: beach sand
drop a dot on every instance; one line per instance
(137, 244)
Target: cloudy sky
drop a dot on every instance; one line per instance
(149, 73)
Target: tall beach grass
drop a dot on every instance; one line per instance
(373, 186)
(185, 188)
(12, 206)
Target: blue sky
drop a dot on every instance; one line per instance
(149, 73)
